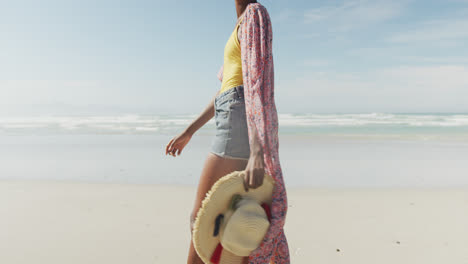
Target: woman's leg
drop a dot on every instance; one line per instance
(214, 168)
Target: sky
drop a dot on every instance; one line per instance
(161, 57)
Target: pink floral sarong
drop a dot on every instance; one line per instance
(255, 37)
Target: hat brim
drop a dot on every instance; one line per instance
(217, 201)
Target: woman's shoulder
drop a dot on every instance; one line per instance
(257, 7)
(257, 10)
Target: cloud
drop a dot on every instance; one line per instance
(353, 14)
(316, 62)
(433, 31)
(284, 15)
(439, 60)
(436, 88)
(398, 54)
(435, 79)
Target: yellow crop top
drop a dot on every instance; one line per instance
(232, 72)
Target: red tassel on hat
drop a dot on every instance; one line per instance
(216, 256)
(267, 210)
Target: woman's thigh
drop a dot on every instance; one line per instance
(214, 168)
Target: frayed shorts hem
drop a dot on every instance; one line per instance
(227, 156)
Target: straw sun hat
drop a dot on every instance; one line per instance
(231, 222)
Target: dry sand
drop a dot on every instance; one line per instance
(63, 222)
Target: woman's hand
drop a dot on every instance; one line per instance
(254, 171)
(177, 143)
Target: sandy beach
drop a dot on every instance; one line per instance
(76, 222)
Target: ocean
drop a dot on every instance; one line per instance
(335, 150)
(313, 124)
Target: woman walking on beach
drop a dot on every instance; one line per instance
(246, 127)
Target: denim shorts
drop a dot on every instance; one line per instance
(231, 139)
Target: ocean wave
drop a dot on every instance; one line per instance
(169, 124)
(375, 119)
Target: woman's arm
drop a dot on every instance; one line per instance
(204, 117)
(255, 40)
(255, 169)
(177, 143)
(256, 148)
